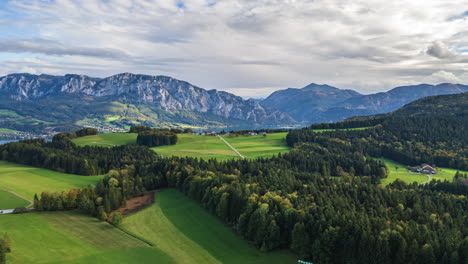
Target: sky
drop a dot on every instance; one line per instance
(250, 48)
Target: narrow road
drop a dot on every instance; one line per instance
(20, 196)
(227, 143)
(429, 178)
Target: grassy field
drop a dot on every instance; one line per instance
(68, 237)
(106, 140)
(27, 181)
(198, 146)
(189, 234)
(11, 201)
(259, 146)
(399, 171)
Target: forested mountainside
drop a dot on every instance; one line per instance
(323, 103)
(430, 130)
(37, 102)
(322, 200)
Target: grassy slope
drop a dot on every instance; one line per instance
(106, 140)
(68, 237)
(27, 181)
(10, 201)
(403, 174)
(259, 146)
(198, 146)
(189, 234)
(201, 146)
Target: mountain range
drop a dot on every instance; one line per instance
(36, 103)
(322, 103)
(122, 100)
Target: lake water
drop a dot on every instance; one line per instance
(4, 141)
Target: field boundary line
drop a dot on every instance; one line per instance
(135, 236)
(227, 143)
(31, 203)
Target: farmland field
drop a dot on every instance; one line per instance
(11, 201)
(399, 171)
(27, 181)
(68, 237)
(198, 146)
(189, 234)
(106, 140)
(259, 146)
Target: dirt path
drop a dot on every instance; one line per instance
(429, 178)
(229, 145)
(20, 196)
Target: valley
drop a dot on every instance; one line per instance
(211, 206)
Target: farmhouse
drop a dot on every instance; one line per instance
(424, 168)
(210, 133)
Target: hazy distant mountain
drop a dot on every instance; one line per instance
(323, 103)
(309, 103)
(126, 99)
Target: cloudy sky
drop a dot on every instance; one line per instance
(247, 47)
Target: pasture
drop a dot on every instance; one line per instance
(399, 171)
(11, 201)
(106, 140)
(27, 181)
(189, 234)
(206, 147)
(259, 146)
(68, 237)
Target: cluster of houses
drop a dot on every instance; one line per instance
(424, 168)
(213, 133)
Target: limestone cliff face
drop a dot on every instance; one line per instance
(165, 92)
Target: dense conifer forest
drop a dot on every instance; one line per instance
(323, 199)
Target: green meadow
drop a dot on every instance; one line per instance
(189, 234)
(27, 181)
(206, 147)
(181, 230)
(399, 171)
(11, 201)
(106, 140)
(68, 237)
(259, 146)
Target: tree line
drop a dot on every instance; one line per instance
(322, 199)
(323, 202)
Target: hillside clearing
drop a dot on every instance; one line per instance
(68, 237)
(189, 234)
(106, 140)
(27, 181)
(259, 146)
(399, 171)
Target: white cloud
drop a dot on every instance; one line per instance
(368, 45)
(443, 77)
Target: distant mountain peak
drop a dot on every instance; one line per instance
(164, 92)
